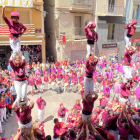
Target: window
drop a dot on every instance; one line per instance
(77, 25)
(111, 31)
(111, 5)
(135, 11)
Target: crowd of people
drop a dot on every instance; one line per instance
(114, 86)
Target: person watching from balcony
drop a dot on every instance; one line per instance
(131, 27)
(91, 36)
(16, 30)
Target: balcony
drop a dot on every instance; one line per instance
(110, 10)
(73, 5)
(37, 0)
(4, 29)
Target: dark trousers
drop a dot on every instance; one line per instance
(14, 97)
(10, 110)
(7, 110)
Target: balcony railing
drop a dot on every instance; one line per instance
(37, 0)
(74, 4)
(4, 29)
(81, 4)
(114, 10)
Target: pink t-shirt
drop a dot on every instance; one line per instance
(31, 81)
(103, 102)
(53, 78)
(67, 78)
(38, 80)
(41, 103)
(88, 106)
(14, 28)
(77, 107)
(46, 79)
(23, 116)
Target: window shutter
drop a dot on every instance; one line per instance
(24, 17)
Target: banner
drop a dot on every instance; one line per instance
(17, 3)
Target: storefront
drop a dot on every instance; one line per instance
(32, 53)
(72, 50)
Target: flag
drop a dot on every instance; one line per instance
(64, 39)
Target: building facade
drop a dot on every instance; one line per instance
(33, 41)
(133, 13)
(73, 15)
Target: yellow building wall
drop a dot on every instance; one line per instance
(36, 19)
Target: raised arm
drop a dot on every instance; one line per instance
(3, 11)
(14, 107)
(31, 103)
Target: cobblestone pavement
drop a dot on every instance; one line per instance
(53, 100)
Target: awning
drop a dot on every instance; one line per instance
(24, 42)
(135, 40)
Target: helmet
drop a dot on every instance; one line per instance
(93, 24)
(15, 14)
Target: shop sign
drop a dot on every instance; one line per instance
(62, 33)
(109, 45)
(37, 30)
(135, 40)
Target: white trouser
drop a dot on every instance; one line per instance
(130, 137)
(86, 118)
(90, 49)
(65, 87)
(98, 86)
(32, 88)
(46, 85)
(53, 86)
(0, 127)
(21, 89)
(41, 114)
(39, 87)
(61, 119)
(3, 113)
(123, 100)
(127, 72)
(28, 125)
(115, 133)
(15, 44)
(127, 41)
(55, 138)
(89, 86)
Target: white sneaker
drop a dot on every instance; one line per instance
(11, 115)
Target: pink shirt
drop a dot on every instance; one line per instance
(38, 80)
(90, 68)
(62, 112)
(41, 103)
(128, 56)
(46, 79)
(103, 102)
(31, 81)
(67, 78)
(98, 112)
(88, 106)
(77, 107)
(80, 79)
(19, 71)
(124, 90)
(23, 116)
(117, 88)
(90, 35)
(59, 76)
(14, 28)
(3, 104)
(53, 78)
(130, 28)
